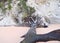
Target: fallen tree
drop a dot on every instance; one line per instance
(33, 37)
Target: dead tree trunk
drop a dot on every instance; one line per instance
(33, 38)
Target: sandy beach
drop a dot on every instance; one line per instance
(13, 34)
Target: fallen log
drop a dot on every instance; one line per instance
(33, 38)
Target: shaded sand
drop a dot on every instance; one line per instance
(13, 34)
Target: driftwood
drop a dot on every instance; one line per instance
(31, 19)
(30, 35)
(33, 38)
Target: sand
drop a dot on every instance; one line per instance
(13, 34)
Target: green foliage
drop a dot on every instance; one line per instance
(24, 6)
(31, 10)
(9, 1)
(9, 7)
(27, 11)
(2, 7)
(1, 4)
